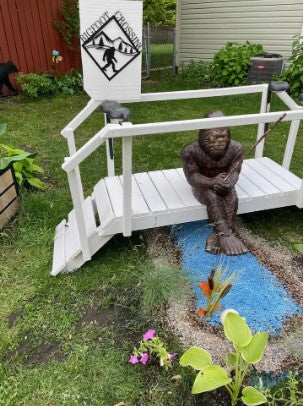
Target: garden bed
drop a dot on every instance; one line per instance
(66, 321)
(284, 351)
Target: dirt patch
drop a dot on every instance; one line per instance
(11, 318)
(96, 317)
(114, 316)
(45, 353)
(33, 355)
(160, 246)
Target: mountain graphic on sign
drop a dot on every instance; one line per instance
(102, 40)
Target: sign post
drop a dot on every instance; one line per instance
(111, 45)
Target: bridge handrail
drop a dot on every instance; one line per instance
(129, 130)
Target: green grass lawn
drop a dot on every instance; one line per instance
(51, 351)
(161, 55)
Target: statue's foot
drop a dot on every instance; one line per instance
(212, 244)
(231, 245)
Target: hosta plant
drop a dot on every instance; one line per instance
(24, 163)
(248, 350)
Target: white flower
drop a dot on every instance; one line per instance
(224, 314)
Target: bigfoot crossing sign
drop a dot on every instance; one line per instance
(111, 45)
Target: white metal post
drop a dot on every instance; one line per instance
(127, 184)
(72, 149)
(294, 127)
(109, 152)
(261, 127)
(79, 214)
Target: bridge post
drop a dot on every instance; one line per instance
(265, 107)
(127, 185)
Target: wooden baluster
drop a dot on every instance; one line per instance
(77, 199)
(294, 127)
(69, 135)
(127, 184)
(261, 127)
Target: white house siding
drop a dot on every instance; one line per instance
(204, 26)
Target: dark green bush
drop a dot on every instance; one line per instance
(70, 83)
(231, 63)
(38, 85)
(294, 73)
(198, 72)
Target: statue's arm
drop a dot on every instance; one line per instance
(226, 183)
(192, 171)
(236, 164)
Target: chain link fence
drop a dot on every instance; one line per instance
(159, 49)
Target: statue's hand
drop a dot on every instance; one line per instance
(224, 185)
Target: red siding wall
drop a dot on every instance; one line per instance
(28, 36)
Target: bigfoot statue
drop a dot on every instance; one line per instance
(206, 164)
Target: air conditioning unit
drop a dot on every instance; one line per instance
(264, 67)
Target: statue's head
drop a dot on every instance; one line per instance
(214, 141)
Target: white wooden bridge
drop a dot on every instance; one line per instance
(136, 201)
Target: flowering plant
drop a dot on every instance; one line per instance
(151, 346)
(215, 289)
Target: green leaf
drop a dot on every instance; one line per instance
(236, 330)
(37, 168)
(252, 397)
(196, 357)
(36, 183)
(231, 359)
(6, 161)
(2, 128)
(298, 247)
(210, 378)
(254, 351)
(19, 177)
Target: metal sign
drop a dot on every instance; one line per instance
(111, 44)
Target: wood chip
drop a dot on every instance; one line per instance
(176, 378)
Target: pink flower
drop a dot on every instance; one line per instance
(149, 335)
(144, 358)
(133, 359)
(171, 357)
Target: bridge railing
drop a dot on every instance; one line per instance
(127, 130)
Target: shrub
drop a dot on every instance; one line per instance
(230, 64)
(198, 72)
(38, 85)
(70, 83)
(294, 73)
